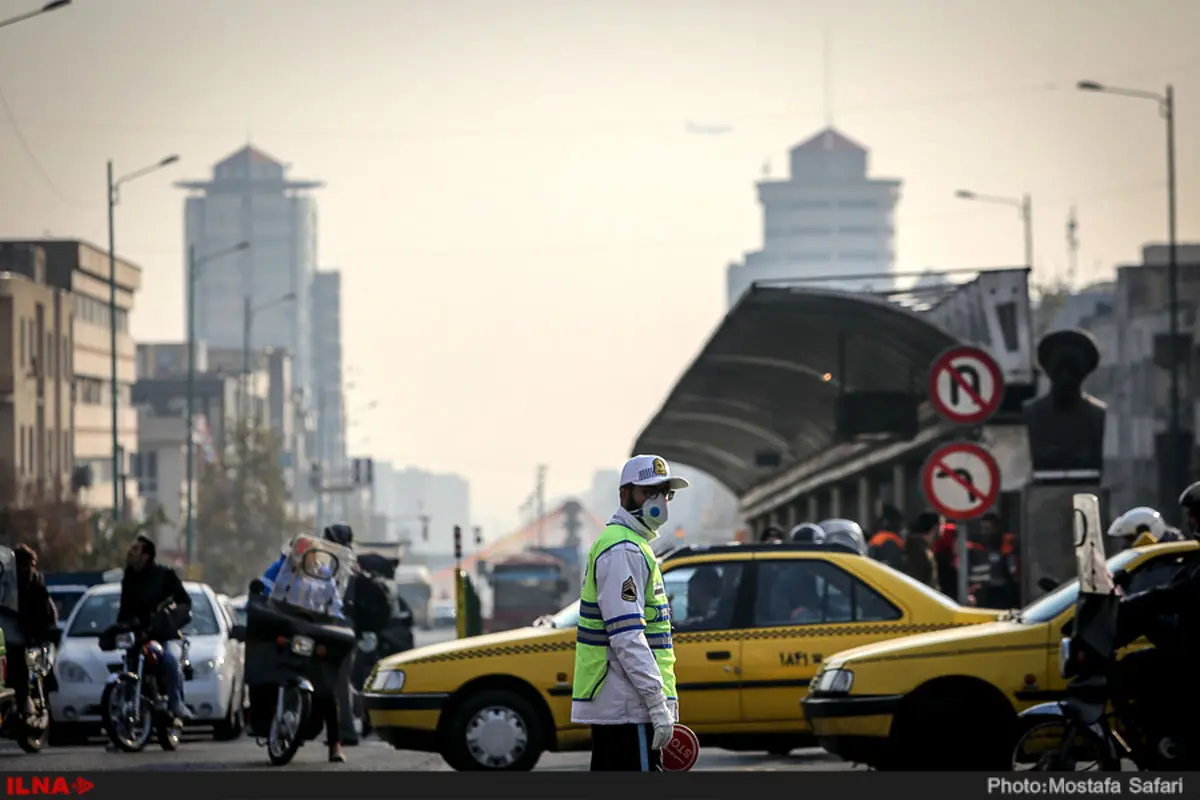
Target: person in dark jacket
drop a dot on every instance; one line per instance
(919, 561)
(145, 587)
(37, 619)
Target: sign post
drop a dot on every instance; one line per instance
(460, 605)
(961, 480)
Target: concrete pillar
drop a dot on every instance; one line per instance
(866, 499)
(835, 500)
(814, 508)
(900, 487)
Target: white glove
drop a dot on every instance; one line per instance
(664, 725)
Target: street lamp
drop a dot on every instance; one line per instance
(37, 12)
(1024, 206)
(193, 266)
(1166, 107)
(248, 313)
(113, 189)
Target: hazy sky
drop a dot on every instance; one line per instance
(532, 247)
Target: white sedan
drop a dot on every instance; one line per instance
(214, 694)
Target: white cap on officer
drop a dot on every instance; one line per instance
(650, 471)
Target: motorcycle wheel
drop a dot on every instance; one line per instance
(115, 710)
(167, 729)
(286, 735)
(1059, 744)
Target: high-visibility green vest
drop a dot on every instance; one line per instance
(591, 639)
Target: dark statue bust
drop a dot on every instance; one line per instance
(1066, 426)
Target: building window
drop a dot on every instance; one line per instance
(811, 205)
(813, 257)
(858, 230)
(858, 255)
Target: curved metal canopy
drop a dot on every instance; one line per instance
(768, 379)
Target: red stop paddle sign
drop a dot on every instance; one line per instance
(682, 752)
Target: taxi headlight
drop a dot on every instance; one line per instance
(303, 646)
(387, 680)
(835, 681)
(368, 642)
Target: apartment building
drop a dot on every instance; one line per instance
(36, 433)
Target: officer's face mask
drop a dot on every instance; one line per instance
(653, 512)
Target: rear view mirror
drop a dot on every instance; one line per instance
(1047, 584)
(238, 633)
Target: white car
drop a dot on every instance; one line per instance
(215, 694)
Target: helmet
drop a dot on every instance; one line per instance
(845, 532)
(807, 533)
(1137, 521)
(1191, 496)
(339, 534)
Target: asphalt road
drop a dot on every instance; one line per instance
(200, 752)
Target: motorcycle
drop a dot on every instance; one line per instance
(384, 625)
(295, 643)
(29, 727)
(1094, 726)
(135, 701)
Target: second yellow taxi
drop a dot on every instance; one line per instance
(752, 625)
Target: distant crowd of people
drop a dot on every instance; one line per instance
(927, 550)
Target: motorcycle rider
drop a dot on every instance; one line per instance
(145, 586)
(1171, 614)
(339, 712)
(37, 617)
(1138, 527)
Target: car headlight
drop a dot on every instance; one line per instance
(70, 672)
(368, 642)
(834, 681)
(206, 667)
(303, 646)
(387, 680)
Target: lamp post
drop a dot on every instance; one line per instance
(37, 12)
(1166, 107)
(193, 266)
(248, 313)
(1024, 206)
(114, 187)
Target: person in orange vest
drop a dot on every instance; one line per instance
(886, 544)
(945, 552)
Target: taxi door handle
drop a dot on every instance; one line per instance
(718, 655)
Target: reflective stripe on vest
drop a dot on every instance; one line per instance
(883, 537)
(591, 638)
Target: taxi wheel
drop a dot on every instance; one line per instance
(497, 730)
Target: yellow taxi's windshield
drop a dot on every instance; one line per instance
(1062, 598)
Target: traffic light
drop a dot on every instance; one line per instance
(363, 472)
(457, 543)
(478, 536)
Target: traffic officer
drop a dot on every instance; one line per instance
(887, 545)
(624, 665)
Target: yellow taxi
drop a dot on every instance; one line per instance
(950, 699)
(752, 625)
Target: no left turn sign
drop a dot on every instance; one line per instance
(965, 385)
(961, 481)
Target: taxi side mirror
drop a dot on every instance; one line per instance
(238, 633)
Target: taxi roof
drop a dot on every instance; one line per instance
(757, 547)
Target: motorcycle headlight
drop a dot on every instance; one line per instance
(387, 680)
(834, 681)
(303, 646)
(368, 642)
(125, 640)
(70, 672)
